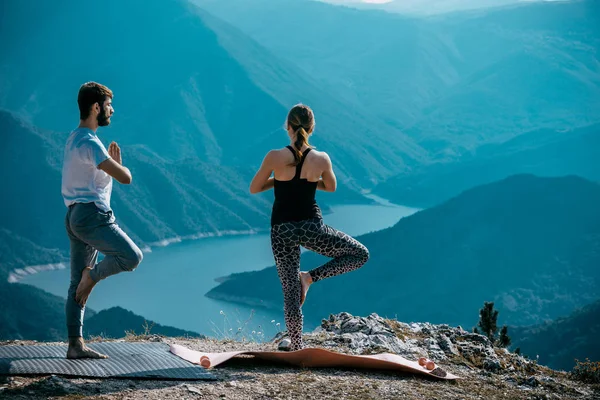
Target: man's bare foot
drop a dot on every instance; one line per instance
(78, 349)
(85, 287)
(305, 281)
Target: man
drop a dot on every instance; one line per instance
(87, 175)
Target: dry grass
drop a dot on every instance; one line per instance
(403, 333)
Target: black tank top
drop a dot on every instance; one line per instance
(295, 199)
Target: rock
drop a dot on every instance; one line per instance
(511, 381)
(475, 337)
(155, 338)
(532, 381)
(438, 342)
(547, 379)
(446, 345)
(523, 387)
(415, 328)
(55, 380)
(193, 389)
(346, 323)
(434, 350)
(491, 364)
(363, 335)
(352, 325)
(343, 315)
(441, 343)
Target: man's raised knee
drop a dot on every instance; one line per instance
(133, 258)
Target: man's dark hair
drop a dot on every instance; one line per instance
(89, 94)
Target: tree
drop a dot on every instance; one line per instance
(504, 339)
(488, 318)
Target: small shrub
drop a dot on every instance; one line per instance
(586, 371)
(488, 318)
(488, 325)
(504, 339)
(147, 328)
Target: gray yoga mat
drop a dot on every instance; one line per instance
(127, 360)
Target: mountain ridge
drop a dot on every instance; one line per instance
(502, 229)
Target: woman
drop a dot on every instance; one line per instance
(296, 219)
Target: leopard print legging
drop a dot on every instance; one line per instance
(348, 254)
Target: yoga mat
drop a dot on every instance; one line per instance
(316, 358)
(127, 360)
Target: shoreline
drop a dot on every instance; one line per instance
(245, 301)
(18, 274)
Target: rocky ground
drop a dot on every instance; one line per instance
(488, 372)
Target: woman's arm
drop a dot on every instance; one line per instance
(328, 181)
(268, 184)
(262, 180)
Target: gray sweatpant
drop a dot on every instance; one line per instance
(90, 231)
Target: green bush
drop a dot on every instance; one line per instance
(488, 318)
(586, 371)
(504, 339)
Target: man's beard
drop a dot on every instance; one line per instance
(103, 120)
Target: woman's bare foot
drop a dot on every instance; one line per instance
(78, 349)
(284, 345)
(305, 281)
(85, 287)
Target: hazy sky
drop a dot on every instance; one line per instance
(412, 1)
(429, 6)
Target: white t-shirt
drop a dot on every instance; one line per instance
(82, 180)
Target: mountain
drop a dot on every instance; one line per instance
(524, 68)
(32, 231)
(370, 58)
(530, 244)
(31, 314)
(558, 343)
(450, 82)
(198, 105)
(17, 252)
(168, 198)
(115, 322)
(543, 152)
(187, 85)
(524, 80)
